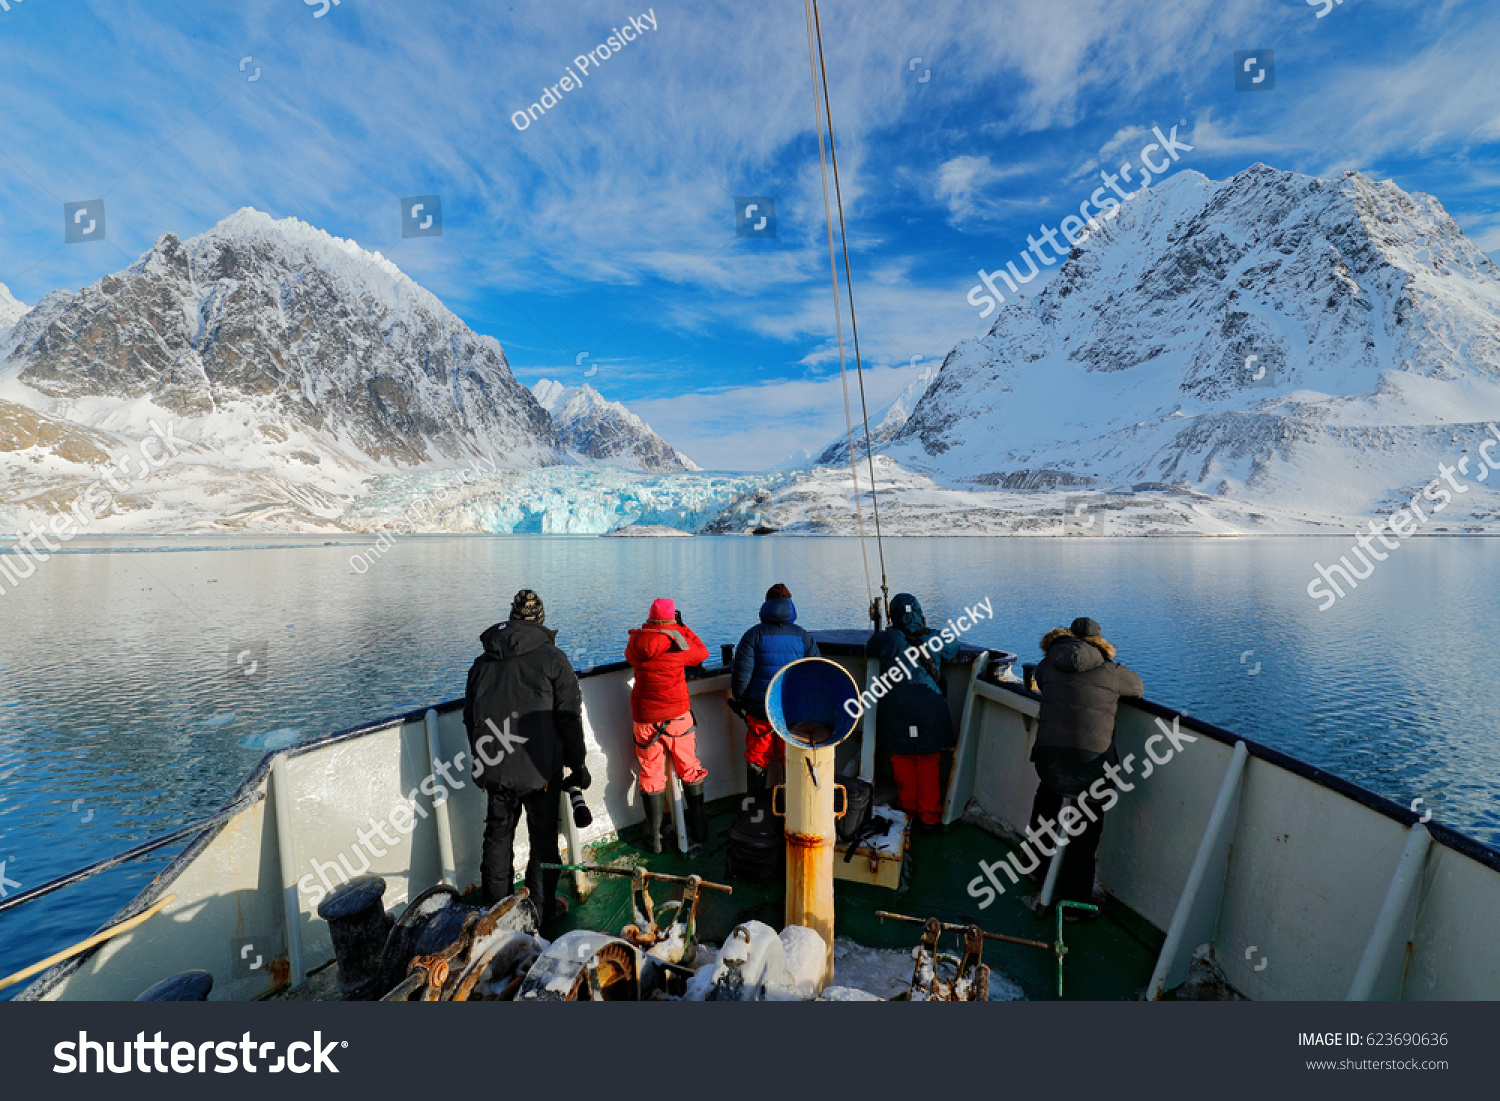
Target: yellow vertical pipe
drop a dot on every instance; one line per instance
(809, 844)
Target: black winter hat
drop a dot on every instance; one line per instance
(1084, 627)
(527, 606)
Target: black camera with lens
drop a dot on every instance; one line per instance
(582, 816)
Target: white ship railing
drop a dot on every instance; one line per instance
(1306, 886)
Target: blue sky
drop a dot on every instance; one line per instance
(607, 225)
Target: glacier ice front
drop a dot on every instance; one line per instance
(560, 500)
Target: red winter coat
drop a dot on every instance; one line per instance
(660, 657)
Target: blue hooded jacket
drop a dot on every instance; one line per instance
(913, 716)
(765, 650)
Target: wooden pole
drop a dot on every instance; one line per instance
(84, 945)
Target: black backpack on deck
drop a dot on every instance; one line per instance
(860, 797)
(757, 842)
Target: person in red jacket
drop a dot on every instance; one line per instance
(661, 652)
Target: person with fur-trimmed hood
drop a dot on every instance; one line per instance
(661, 652)
(764, 650)
(1081, 686)
(523, 710)
(913, 721)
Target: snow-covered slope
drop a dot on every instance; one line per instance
(11, 310)
(798, 460)
(591, 427)
(1312, 345)
(819, 502)
(888, 420)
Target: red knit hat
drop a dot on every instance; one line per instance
(663, 610)
(778, 591)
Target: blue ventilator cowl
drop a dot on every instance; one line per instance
(807, 703)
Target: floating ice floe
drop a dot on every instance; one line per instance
(279, 738)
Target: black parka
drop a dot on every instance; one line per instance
(1081, 690)
(524, 678)
(913, 716)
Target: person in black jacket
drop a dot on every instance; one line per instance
(524, 713)
(1081, 686)
(913, 722)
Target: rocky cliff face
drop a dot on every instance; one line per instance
(606, 431)
(1274, 337)
(282, 324)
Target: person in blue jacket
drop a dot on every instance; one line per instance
(912, 720)
(768, 647)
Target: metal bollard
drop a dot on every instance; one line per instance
(359, 926)
(186, 986)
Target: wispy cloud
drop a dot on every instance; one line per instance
(608, 225)
(754, 427)
(968, 185)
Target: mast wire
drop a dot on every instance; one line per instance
(814, 56)
(859, 374)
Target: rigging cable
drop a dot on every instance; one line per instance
(814, 58)
(859, 373)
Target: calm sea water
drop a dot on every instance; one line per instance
(126, 683)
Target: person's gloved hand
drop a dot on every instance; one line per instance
(578, 778)
(680, 623)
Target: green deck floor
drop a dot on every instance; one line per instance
(1108, 959)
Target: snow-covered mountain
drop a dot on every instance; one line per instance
(1269, 353)
(1276, 338)
(889, 420)
(11, 310)
(294, 330)
(293, 366)
(591, 427)
(797, 460)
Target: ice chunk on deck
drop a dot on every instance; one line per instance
(700, 984)
(806, 954)
(756, 964)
